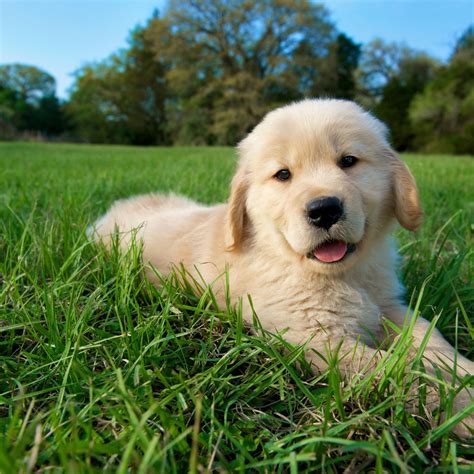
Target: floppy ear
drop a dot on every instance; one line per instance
(407, 202)
(236, 213)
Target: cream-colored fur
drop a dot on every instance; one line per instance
(262, 237)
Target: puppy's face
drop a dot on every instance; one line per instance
(318, 181)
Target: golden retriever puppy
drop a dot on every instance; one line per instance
(306, 233)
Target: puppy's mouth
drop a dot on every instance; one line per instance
(332, 251)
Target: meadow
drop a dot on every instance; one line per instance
(99, 371)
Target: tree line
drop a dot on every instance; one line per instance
(205, 73)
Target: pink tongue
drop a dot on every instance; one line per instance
(331, 251)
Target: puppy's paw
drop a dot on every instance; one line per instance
(465, 428)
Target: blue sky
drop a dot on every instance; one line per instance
(61, 35)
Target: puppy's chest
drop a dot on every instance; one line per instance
(330, 306)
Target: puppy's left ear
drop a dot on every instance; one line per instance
(236, 211)
(407, 202)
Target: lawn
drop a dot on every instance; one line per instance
(101, 372)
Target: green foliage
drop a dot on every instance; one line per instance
(230, 62)
(443, 115)
(28, 102)
(390, 76)
(8, 101)
(206, 72)
(465, 45)
(101, 372)
(398, 94)
(347, 59)
(30, 82)
(122, 99)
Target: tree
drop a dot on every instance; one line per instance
(30, 82)
(90, 108)
(443, 115)
(390, 75)
(206, 72)
(465, 45)
(227, 63)
(144, 95)
(28, 101)
(8, 100)
(337, 70)
(121, 99)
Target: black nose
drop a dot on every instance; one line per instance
(325, 211)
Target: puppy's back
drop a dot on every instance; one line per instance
(131, 214)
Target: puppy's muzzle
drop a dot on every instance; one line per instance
(324, 212)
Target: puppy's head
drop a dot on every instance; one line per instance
(317, 180)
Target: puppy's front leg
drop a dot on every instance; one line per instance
(353, 357)
(438, 351)
(439, 354)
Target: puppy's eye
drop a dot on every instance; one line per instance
(347, 161)
(283, 175)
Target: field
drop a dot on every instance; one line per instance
(101, 372)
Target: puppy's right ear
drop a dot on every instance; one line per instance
(236, 211)
(407, 202)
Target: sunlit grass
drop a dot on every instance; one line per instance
(101, 371)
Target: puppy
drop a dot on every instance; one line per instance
(306, 233)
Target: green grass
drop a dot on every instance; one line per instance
(100, 371)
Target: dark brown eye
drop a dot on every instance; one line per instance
(283, 175)
(347, 161)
